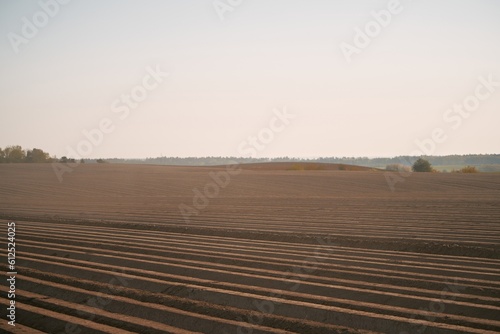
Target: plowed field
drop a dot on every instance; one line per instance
(107, 250)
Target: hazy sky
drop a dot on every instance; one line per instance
(226, 76)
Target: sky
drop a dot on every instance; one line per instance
(261, 78)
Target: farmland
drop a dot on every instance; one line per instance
(277, 249)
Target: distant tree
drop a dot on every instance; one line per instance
(2, 155)
(82, 161)
(37, 155)
(14, 154)
(101, 161)
(29, 156)
(63, 159)
(422, 165)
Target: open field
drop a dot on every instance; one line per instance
(482, 168)
(281, 166)
(278, 250)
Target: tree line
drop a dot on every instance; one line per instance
(469, 159)
(14, 154)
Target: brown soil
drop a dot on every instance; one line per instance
(300, 166)
(279, 250)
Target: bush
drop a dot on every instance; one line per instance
(468, 169)
(422, 165)
(65, 159)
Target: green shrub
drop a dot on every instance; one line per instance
(422, 165)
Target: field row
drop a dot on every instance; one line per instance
(160, 280)
(109, 250)
(449, 209)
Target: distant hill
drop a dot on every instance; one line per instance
(483, 162)
(300, 166)
(446, 163)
